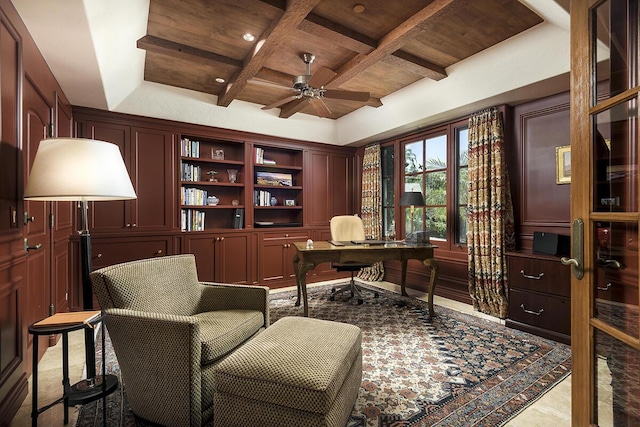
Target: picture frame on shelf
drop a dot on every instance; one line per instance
(289, 202)
(274, 178)
(217, 154)
(563, 164)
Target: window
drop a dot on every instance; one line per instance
(426, 171)
(462, 155)
(436, 164)
(388, 191)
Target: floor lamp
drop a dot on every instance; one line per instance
(412, 199)
(83, 170)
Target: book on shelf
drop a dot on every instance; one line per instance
(259, 154)
(72, 318)
(189, 148)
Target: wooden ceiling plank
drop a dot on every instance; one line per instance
(393, 41)
(189, 53)
(337, 34)
(274, 36)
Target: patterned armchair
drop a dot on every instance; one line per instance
(169, 331)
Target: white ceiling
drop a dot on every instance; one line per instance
(90, 47)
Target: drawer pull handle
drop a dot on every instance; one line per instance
(535, 313)
(528, 276)
(606, 288)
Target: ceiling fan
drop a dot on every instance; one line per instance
(310, 88)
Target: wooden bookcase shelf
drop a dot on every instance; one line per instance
(277, 186)
(211, 168)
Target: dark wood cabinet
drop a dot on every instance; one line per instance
(106, 251)
(148, 155)
(275, 256)
(539, 295)
(222, 257)
(330, 180)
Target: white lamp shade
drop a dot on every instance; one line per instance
(70, 169)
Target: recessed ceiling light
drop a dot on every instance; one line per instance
(358, 8)
(219, 80)
(248, 37)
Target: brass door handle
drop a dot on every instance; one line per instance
(577, 250)
(612, 263)
(28, 247)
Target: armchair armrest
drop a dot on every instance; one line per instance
(153, 350)
(224, 296)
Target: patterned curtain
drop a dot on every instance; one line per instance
(490, 231)
(371, 209)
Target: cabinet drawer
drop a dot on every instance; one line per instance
(543, 311)
(290, 235)
(105, 253)
(540, 275)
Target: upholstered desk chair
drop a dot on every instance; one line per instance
(345, 228)
(169, 331)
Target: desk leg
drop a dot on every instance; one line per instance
(403, 279)
(34, 383)
(66, 387)
(296, 267)
(301, 278)
(433, 263)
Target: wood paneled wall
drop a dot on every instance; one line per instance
(540, 204)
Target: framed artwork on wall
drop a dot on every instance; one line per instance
(563, 164)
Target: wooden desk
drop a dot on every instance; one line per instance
(306, 259)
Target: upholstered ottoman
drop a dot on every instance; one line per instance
(298, 372)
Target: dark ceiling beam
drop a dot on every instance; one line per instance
(356, 42)
(182, 51)
(416, 65)
(349, 39)
(269, 41)
(390, 43)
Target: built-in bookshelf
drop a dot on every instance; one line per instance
(212, 183)
(277, 186)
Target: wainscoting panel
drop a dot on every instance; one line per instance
(541, 204)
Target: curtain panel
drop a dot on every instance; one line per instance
(371, 206)
(490, 228)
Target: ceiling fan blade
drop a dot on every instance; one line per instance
(293, 107)
(321, 108)
(321, 77)
(281, 102)
(346, 95)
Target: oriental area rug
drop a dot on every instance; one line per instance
(453, 370)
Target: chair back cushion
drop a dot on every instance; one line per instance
(166, 285)
(347, 228)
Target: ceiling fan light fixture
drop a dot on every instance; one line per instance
(248, 37)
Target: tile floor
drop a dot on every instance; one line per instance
(552, 409)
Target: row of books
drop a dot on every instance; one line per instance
(191, 172)
(191, 220)
(259, 157)
(189, 148)
(261, 198)
(193, 196)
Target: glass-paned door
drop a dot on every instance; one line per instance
(604, 209)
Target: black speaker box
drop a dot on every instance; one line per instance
(551, 243)
(238, 218)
